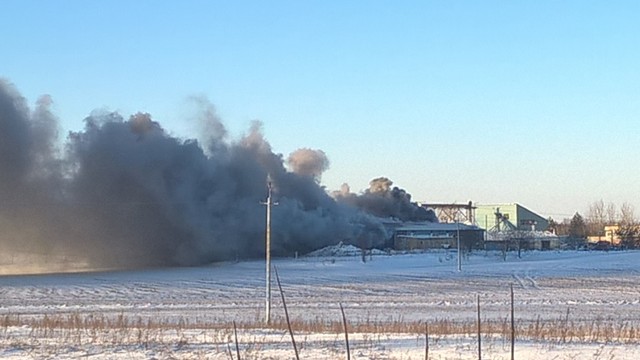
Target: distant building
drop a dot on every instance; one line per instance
(611, 235)
(523, 218)
(428, 235)
(522, 239)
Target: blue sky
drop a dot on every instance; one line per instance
(490, 101)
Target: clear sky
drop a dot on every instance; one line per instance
(536, 102)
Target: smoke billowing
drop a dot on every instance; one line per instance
(384, 201)
(124, 193)
(308, 162)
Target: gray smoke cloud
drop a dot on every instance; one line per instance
(124, 193)
(384, 200)
(308, 162)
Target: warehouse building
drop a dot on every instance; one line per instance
(488, 216)
(428, 235)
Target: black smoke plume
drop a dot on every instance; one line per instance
(124, 193)
(384, 201)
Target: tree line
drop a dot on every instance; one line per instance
(599, 215)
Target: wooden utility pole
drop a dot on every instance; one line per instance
(269, 204)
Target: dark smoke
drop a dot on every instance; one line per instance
(124, 193)
(384, 201)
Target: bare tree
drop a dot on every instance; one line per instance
(522, 240)
(596, 218)
(629, 230)
(611, 213)
(596, 211)
(627, 215)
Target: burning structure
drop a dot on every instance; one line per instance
(123, 192)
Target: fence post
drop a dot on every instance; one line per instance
(513, 328)
(426, 344)
(479, 331)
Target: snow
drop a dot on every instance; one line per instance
(196, 305)
(343, 250)
(522, 234)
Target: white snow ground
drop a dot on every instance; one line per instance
(591, 287)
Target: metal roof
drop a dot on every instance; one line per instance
(432, 226)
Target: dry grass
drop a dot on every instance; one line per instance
(84, 334)
(82, 328)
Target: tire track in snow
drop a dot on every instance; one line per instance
(519, 280)
(534, 283)
(527, 282)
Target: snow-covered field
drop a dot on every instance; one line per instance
(174, 313)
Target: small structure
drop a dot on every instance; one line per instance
(428, 235)
(522, 240)
(616, 235)
(452, 213)
(611, 235)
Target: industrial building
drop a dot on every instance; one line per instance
(512, 226)
(428, 235)
(507, 226)
(488, 216)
